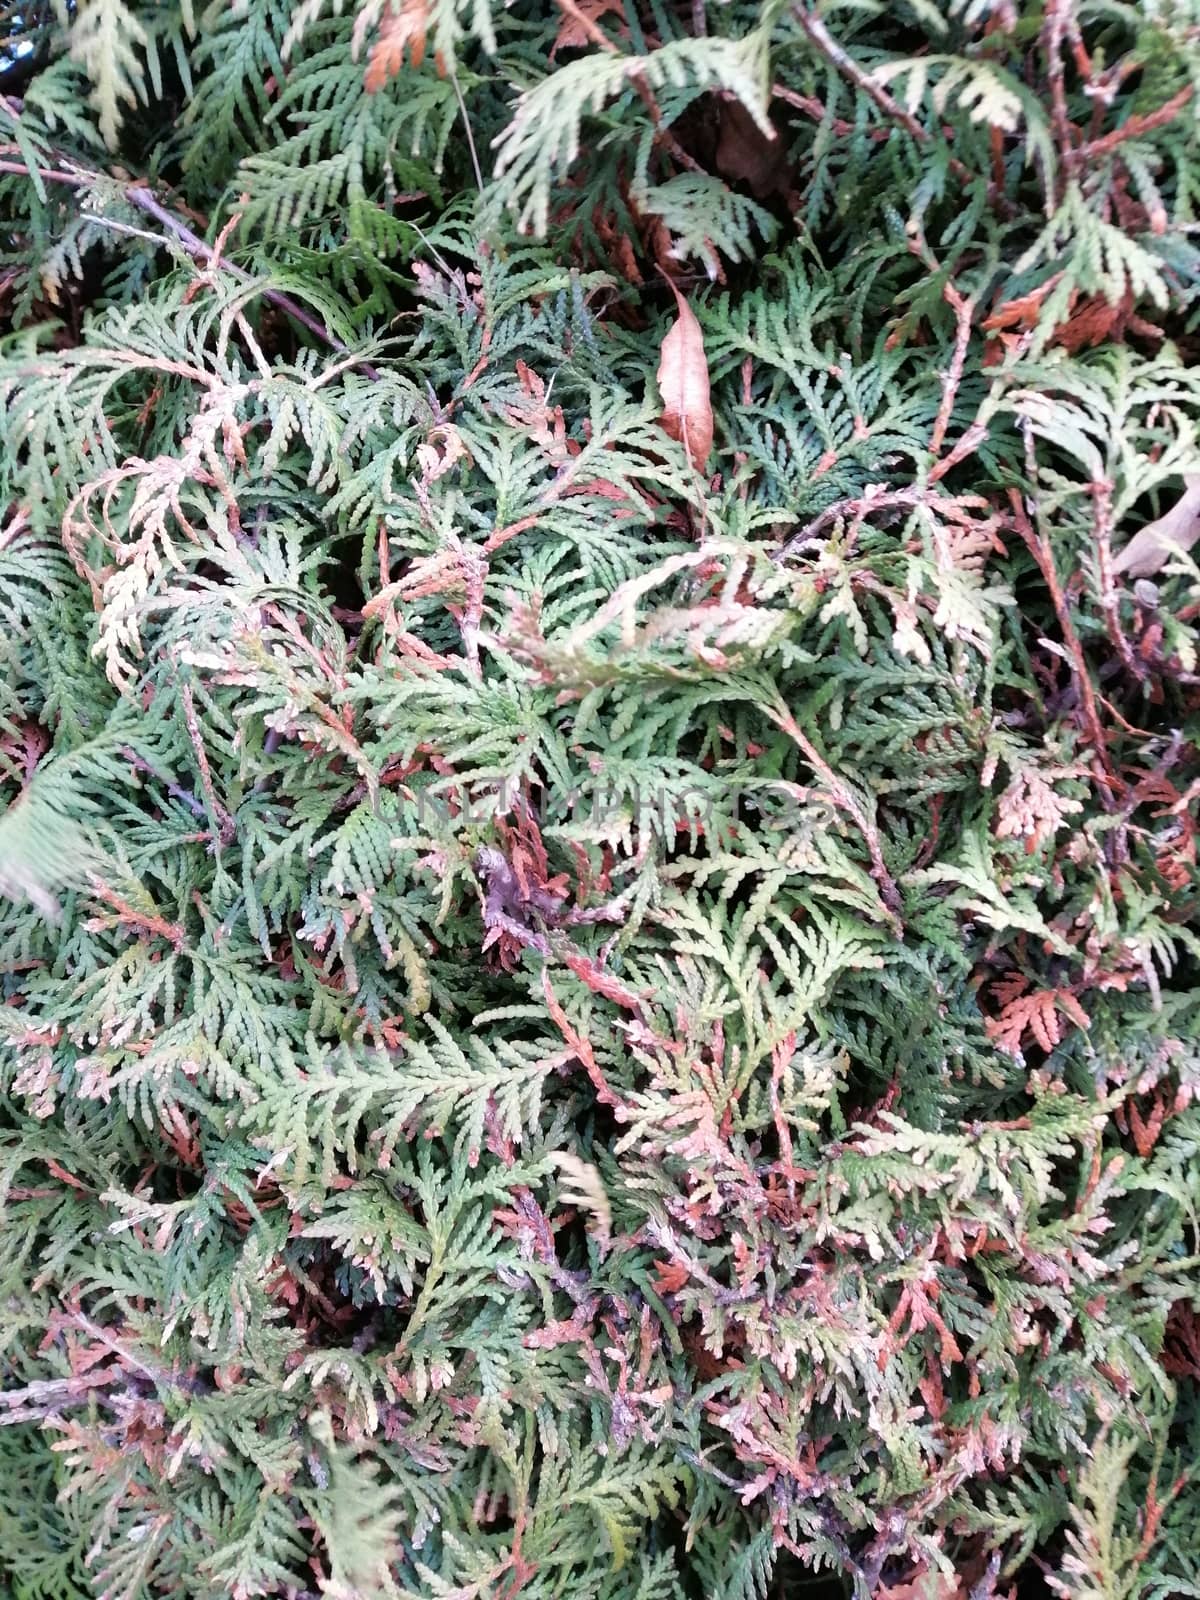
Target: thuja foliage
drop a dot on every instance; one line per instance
(587, 1012)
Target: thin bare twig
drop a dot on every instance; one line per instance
(1102, 501)
(1054, 34)
(1040, 551)
(813, 108)
(590, 27)
(462, 106)
(19, 169)
(102, 1336)
(46, 1397)
(592, 30)
(858, 506)
(140, 197)
(971, 440)
(846, 800)
(820, 36)
(129, 916)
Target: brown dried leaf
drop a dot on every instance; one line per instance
(923, 1585)
(1091, 322)
(1022, 312)
(1178, 529)
(402, 27)
(683, 384)
(1036, 1014)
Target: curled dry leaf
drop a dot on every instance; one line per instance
(683, 384)
(1178, 529)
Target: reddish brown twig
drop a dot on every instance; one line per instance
(846, 800)
(970, 440)
(579, 1045)
(19, 169)
(963, 307)
(812, 107)
(1040, 551)
(1109, 604)
(127, 915)
(1054, 33)
(597, 35)
(840, 59)
(821, 38)
(1138, 123)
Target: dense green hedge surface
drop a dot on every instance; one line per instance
(598, 773)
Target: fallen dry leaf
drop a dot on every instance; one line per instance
(1178, 529)
(683, 384)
